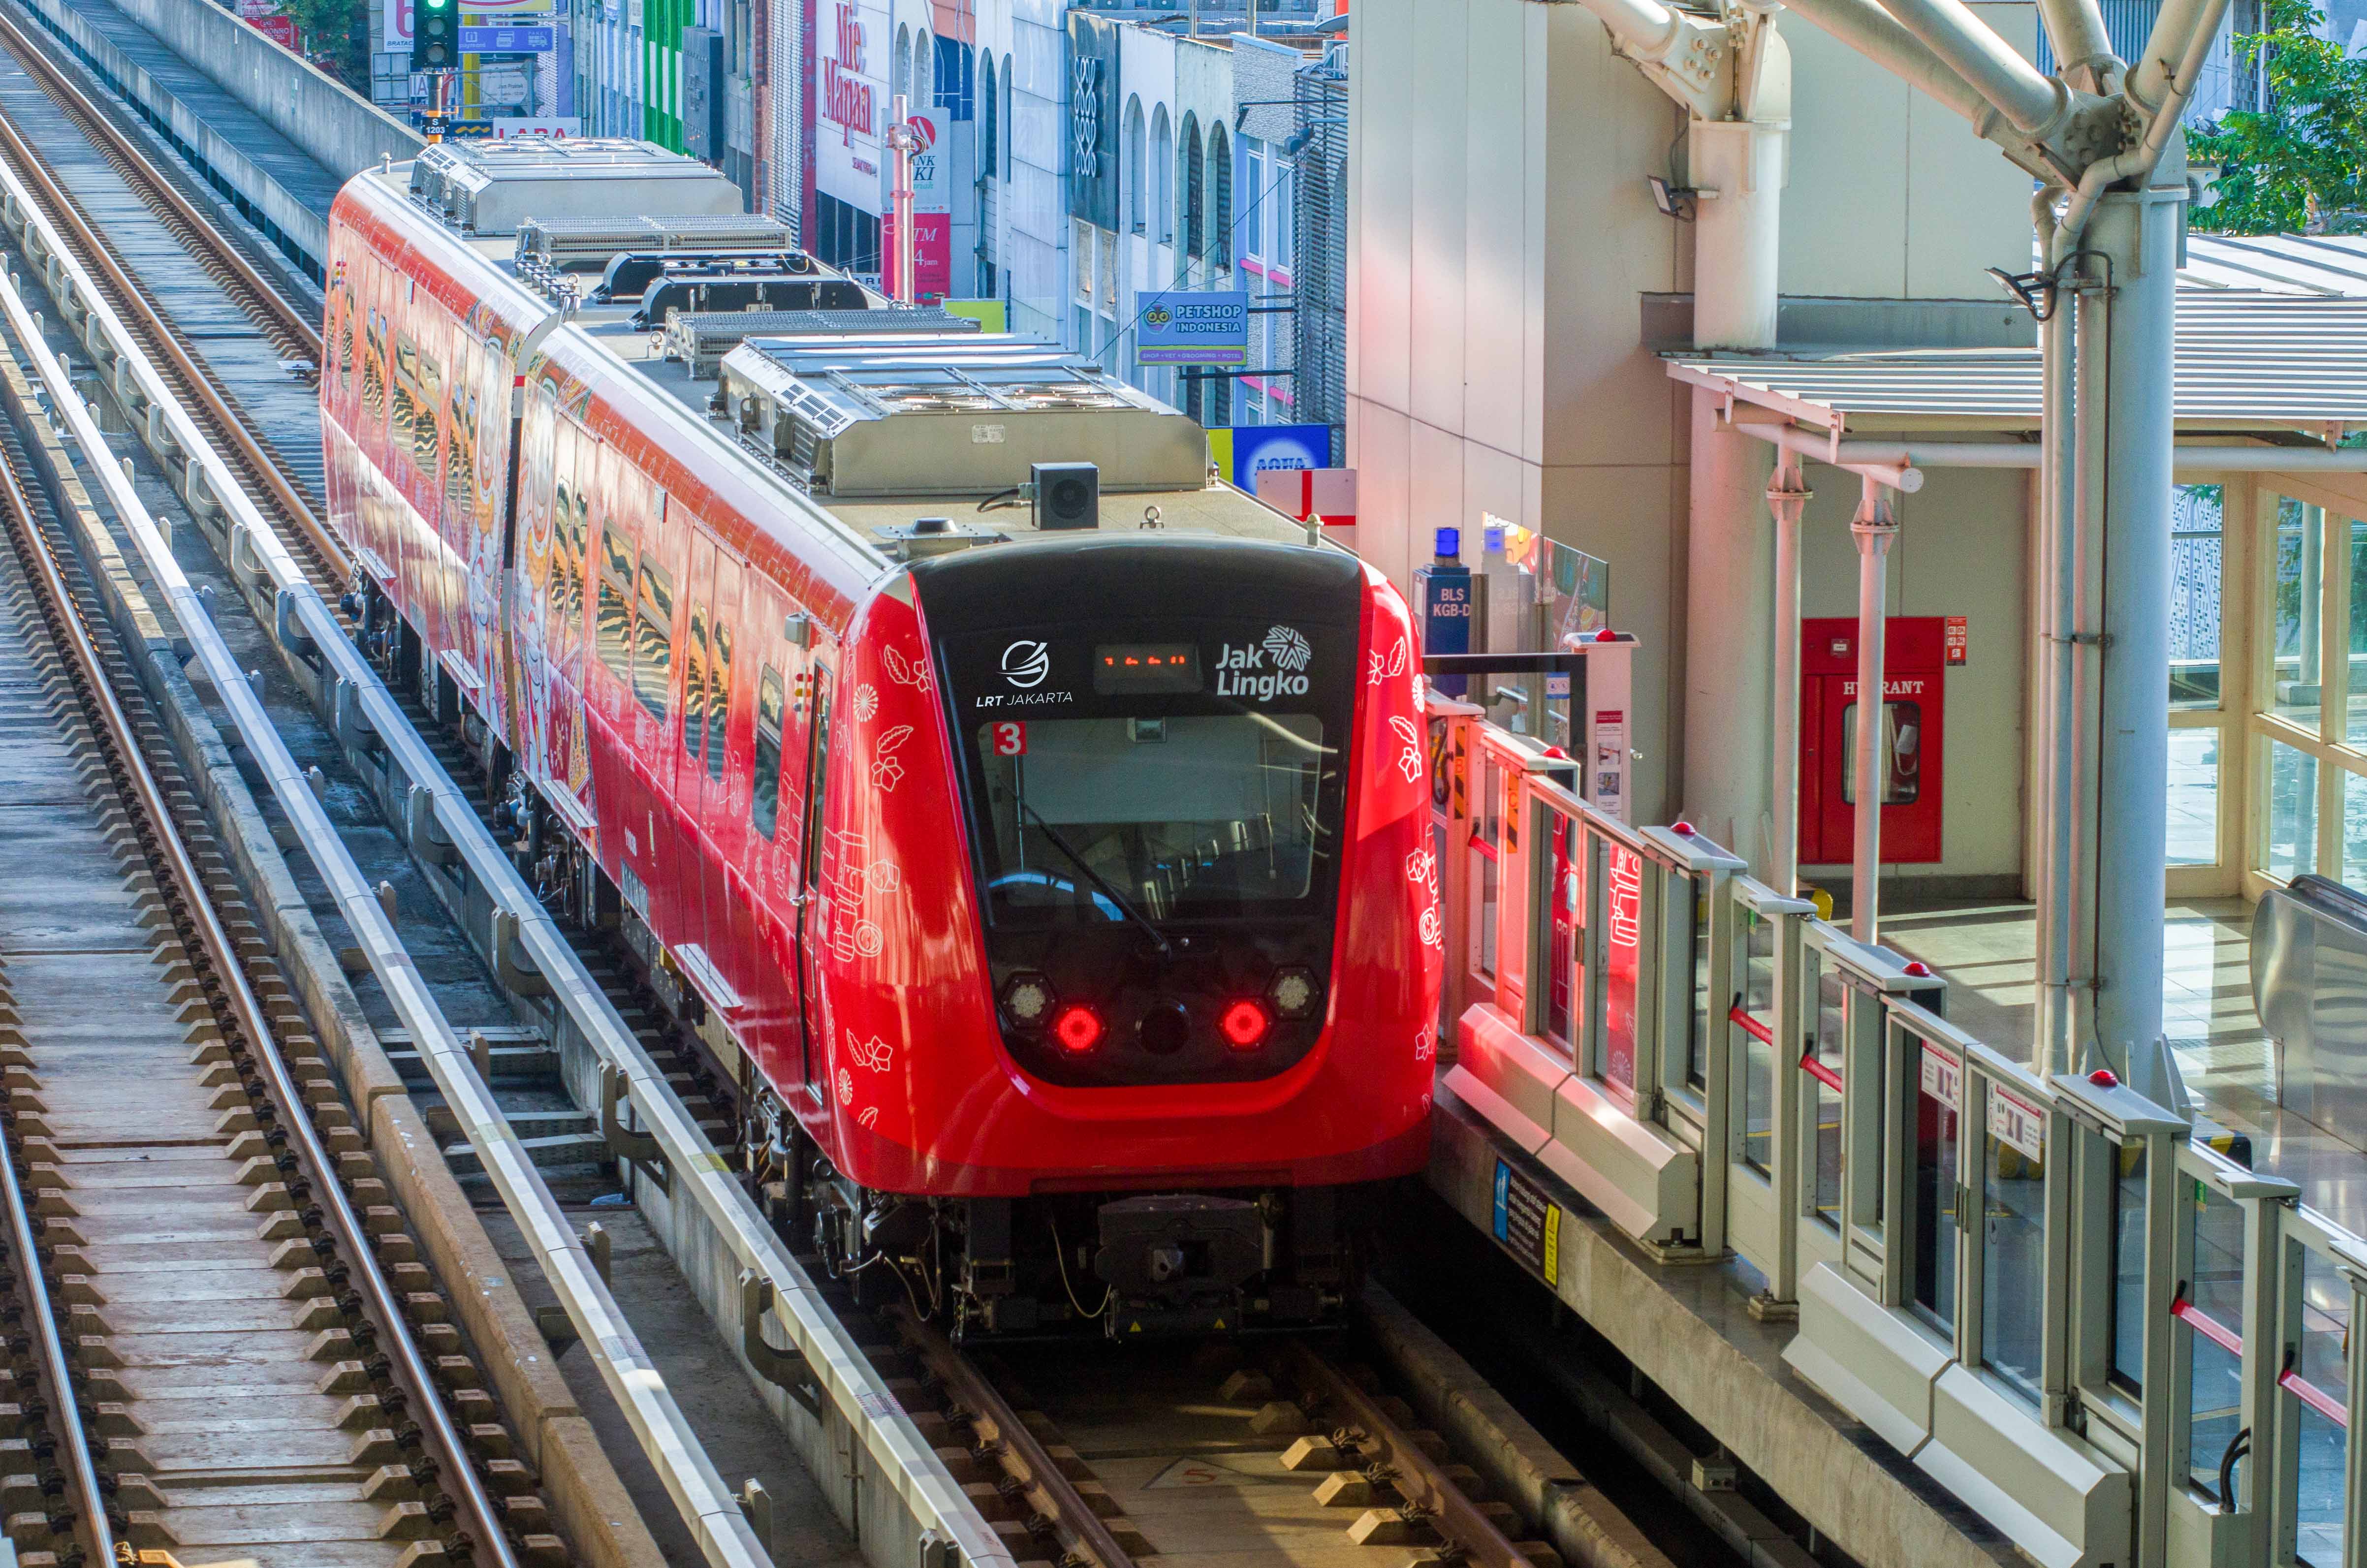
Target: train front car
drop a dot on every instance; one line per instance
(1126, 850)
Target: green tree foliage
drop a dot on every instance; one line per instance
(2300, 165)
(336, 36)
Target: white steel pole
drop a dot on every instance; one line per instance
(1787, 496)
(2056, 812)
(2137, 233)
(900, 201)
(1873, 528)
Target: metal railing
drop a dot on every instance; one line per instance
(2112, 1342)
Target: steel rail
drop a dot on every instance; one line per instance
(69, 217)
(1015, 1448)
(1425, 1486)
(456, 1476)
(57, 1374)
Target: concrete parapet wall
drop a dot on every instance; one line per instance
(341, 131)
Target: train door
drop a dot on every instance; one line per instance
(619, 513)
(813, 706)
(769, 669)
(686, 897)
(656, 628)
(722, 796)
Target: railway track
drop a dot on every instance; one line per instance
(1268, 1452)
(261, 467)
(235, 1351)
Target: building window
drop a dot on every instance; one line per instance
(1253, 215)
(1162, 176)
(1195, 189)
(1220, 180)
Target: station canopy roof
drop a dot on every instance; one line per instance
(2271, 335)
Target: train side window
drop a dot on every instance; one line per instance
(694, 685)
(653, 639)
(424, 444)
(373, 370)
(719, 696)
(616, 600)
(404, 382)
(765, 801)
(348, 339)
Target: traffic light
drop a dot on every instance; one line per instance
(435, 38)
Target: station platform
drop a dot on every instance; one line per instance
(1985, 953)
(1948, 1307)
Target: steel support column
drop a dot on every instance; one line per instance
(1873, 528)
(2125, 338)
(1787, 496)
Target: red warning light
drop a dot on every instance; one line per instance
(1078, 1029)
(2104, 1077)
(1244, 1024)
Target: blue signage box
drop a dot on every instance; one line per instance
(1182, 327)
(1441, 604)
(1259, 448)
(508, 40)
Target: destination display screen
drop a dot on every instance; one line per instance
(1145, 667)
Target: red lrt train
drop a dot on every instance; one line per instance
(1063, 903)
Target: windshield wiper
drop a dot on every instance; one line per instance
(1100, 882)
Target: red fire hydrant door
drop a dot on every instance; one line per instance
(1911, 733)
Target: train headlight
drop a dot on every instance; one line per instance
(1244, 1024)
(1293, 992)
(1029, 999)
(1078, 1029)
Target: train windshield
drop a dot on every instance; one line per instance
(1161, 816)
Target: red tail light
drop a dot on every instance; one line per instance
(1078, 1029)
(1244, 1024)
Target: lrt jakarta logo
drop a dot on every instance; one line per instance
(1273, 667)
(1024, 664)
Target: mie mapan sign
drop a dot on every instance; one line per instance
(1194, 329)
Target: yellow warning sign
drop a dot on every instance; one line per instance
(1551, 1251)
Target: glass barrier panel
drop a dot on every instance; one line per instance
(2125, 1360)
(1828, 1049)
(1757, 1004)
(1623, 921)
(1698, 887)
(1565, 955)
(1933, 1185)
(2013, 1239)
(1487, 827)
(2212, 1308)
(2317, 1381)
